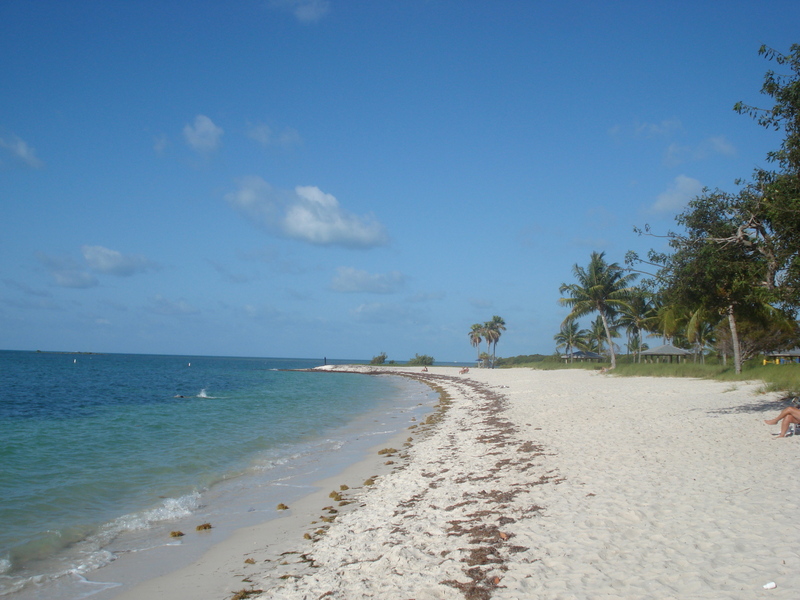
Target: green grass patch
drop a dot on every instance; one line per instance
(776, 378)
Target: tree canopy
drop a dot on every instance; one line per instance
(738, 255)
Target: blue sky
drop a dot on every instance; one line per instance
(335, 178)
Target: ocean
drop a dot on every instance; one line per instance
(102, 455)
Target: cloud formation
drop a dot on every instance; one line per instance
(111, 262)
(264, 135)
(663, 128)
(21, 151)
(305, 213)
(350, 280)
(203, 136)
(682, 190)
(713, 146)
(66, 272)
(305, 11)
(69, 273)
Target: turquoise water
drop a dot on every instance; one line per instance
(99, 454)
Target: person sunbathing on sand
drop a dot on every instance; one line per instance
(789, 415)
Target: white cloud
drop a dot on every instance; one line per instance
(111, 262)
(21, 151)
(307, 214)
(664, 128)
(676, 154)
(264, 135)
(66, 272)
(305, 11)
(682, 190)
(261, 133)
(203, 136)
(717, 145)
(350, 280)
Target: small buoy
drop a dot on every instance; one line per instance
(190, 364)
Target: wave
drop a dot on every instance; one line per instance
(80, 556)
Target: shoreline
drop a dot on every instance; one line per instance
(204, 578)
(540, 484)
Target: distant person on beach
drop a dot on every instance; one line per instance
(789, 415)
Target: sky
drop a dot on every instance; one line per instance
(342, 178)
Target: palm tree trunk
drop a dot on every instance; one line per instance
(610, 341)
(737, 351)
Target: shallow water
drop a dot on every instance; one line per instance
(100, 455)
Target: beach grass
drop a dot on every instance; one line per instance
(777, 378)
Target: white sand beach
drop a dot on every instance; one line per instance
(540, 484)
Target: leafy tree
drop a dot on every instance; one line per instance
(379, 360)
(769, 208)
(758, 334)
(602, 287)
(700, 331)
(571, 337)
(421, 361)
(740, 255)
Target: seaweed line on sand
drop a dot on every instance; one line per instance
(469, 518)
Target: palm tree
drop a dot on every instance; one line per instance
(495, 327)
(597, 335)
(571, 337)
(476, 337)
(700, 331)
(636, 346)
(636, 316)
(601, 288)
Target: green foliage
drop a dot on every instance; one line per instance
(421, 361)
(784, 378)
(490, 331)
(379, 360)
(740, 254)
(522, 360)
(571, 338)
(601, 287)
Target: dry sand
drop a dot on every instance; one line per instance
(541, 484)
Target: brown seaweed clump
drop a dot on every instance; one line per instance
(203, 527)
(282, 506)
(176, 534)
(242, 594)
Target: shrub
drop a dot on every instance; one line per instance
(421, 361)
(379, 360)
